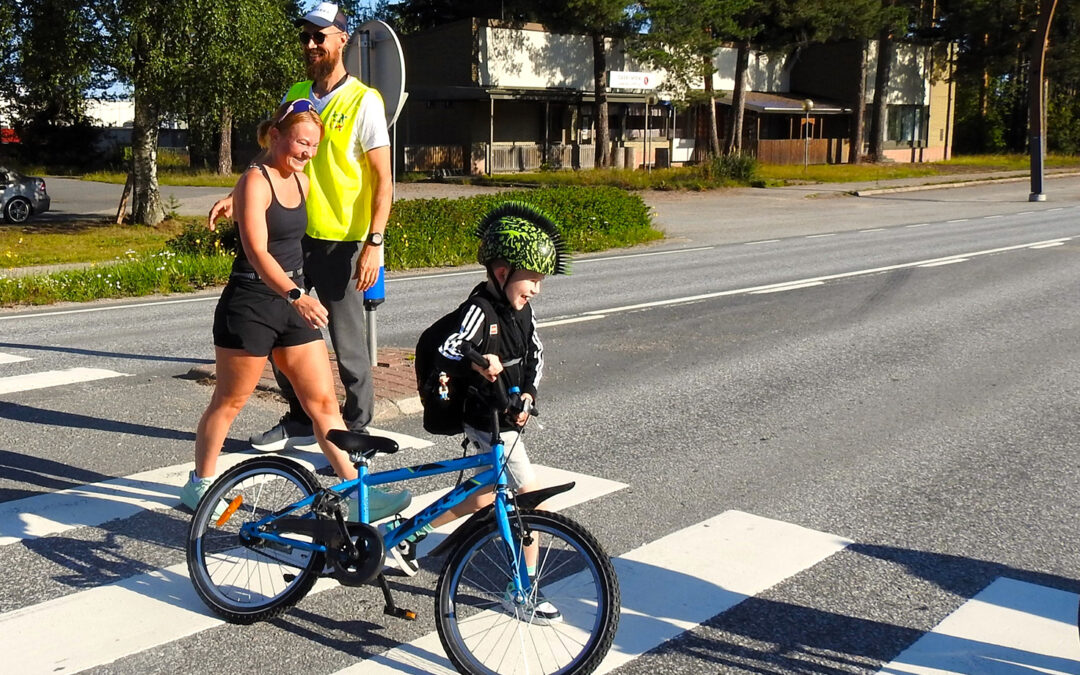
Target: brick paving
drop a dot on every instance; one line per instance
(393, 374)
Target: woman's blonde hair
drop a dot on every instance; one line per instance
(288, 114)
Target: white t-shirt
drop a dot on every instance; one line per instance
(370, 131)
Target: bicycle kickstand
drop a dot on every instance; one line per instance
(390, 608)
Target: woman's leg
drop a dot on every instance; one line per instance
(237, 374)
(308, 368)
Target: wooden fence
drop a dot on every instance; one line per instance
(818, 151)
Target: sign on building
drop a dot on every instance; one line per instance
(625, 79)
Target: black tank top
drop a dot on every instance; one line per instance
(285, 228)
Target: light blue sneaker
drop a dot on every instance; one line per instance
(404, 553)
(381, 504)
(194, 489)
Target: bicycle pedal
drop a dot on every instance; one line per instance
(400, 613)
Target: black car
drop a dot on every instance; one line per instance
(21, 196)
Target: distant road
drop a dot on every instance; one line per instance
(74, 199)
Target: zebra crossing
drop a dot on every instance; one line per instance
(12, 384)
(670, 585)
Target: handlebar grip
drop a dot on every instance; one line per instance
(469, 352)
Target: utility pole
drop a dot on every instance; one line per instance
(1037, 114)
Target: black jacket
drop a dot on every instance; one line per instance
(519, 348)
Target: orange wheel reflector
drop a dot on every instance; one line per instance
(233, 505)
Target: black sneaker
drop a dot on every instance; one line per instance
(287, 433)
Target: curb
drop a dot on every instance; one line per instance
(393, 377)
(954, 184)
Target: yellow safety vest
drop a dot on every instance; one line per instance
(339, 202)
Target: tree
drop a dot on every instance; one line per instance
(46, 77)
(683, 38)
(250, 47)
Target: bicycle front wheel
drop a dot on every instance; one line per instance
(567, 623)
(248, 581)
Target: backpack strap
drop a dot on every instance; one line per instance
(490, 342)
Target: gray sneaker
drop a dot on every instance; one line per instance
(287, 433)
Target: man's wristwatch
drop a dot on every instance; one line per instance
(375, 239)
(294, 294)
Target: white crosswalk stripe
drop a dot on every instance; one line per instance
(669, 586)
(12, 358)
(54, 378)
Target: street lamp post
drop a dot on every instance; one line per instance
(807, 106)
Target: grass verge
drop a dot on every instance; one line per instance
(185, 256)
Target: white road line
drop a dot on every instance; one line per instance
(918, 225)
(12, 358)
(1050, 245)
(54, 378)
(1025, 213)
(152, 609)
(1056, 208)
(829, 277)
(763, 241)
(958, 220)
(992, 217)
(940, 263)
(155, 490)
(86, 310)
(669, 586)
(819, 236)
(1009, 627)
(790, 287)
(874, 229)
(576, 319)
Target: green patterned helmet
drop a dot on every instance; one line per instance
(525, 238)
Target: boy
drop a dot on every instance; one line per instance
(519, 246)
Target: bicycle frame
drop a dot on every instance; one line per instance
(365, 479)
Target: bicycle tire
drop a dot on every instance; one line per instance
(245, 583)
(484, 634)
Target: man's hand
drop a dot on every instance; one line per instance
(367, 268)
(222, 208)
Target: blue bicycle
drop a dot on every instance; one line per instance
(267, 529)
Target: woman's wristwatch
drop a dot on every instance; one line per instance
(294, 294)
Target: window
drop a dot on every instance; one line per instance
(907, 124)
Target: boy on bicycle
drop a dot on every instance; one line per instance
(519, 246)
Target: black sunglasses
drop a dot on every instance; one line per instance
(316, 37)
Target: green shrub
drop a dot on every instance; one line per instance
(196, 239)
(738, 168)
(438, 232)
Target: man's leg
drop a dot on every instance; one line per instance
(331, 266)
(294, 428)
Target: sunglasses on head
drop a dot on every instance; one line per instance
(316, 37)
(300, 105)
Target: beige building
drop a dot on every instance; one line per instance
(486, 98)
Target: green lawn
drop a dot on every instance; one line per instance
(85, 241)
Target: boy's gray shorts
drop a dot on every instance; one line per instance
(519, 470)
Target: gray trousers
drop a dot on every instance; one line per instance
(329, 268)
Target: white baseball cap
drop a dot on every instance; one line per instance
(325, 15)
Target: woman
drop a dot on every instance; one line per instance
(264, 309)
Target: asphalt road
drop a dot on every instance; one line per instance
(896, 372)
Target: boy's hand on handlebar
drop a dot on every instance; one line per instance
(494, 367)
(523, 415)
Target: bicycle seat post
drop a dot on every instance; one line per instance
(362, 468)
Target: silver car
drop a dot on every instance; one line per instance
(21, 196)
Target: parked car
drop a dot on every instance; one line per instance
(21, 196)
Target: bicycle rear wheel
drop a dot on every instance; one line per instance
(483, 631)
(244, 582)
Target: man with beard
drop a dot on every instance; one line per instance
(348, 207)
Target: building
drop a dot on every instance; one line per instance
(485, 97)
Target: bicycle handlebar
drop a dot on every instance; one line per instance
(500, 399)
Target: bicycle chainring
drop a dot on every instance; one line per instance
(356, 569)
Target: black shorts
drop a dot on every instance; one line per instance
(252, 317)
